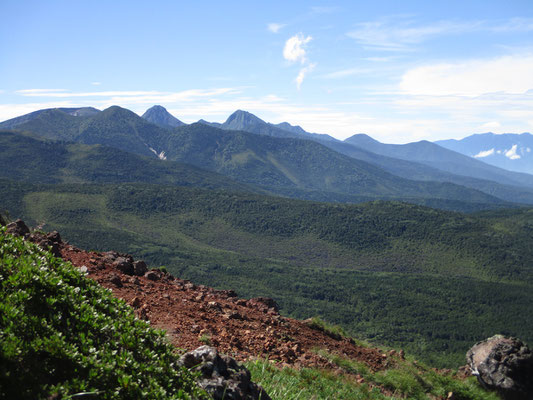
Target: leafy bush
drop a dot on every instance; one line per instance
(62, 334)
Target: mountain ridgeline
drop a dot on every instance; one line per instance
(301, 167)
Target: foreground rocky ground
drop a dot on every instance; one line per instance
(196, 315)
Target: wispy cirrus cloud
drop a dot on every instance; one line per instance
(518, 24)
(275, 27)
(343, 73)
(125, 94)
(401, 33)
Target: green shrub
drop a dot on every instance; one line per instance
(61, 334)
(334, 331)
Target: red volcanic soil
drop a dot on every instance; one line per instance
(195, 314)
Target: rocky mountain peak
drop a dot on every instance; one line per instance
(242, 118)
(159, 115)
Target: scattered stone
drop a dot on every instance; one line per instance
(213, 305)
(139, 268)
(136, 302)
(115, 280)
(221, 376)
(152, 275)
(262, 302)
(18, 228)
(505, 365)
(83, 269)
(110, 256)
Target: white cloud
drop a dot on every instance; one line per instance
(511, 153)
(514, 25)
(275, 27)
(294, 50)
(400, 33)
(347, 72)
(96, 83)
(508, 74)
(485, 153)
(303, 72)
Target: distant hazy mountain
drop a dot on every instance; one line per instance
(438, 157)
(509, 150)
(422, 172)
(76, 112)
(160, 116)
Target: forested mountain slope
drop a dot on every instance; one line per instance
(433, 282)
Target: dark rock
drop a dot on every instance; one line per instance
(110, 256)
(123, 265)
(221, 376)
(54, 237)
(226, 293)
(18, 228)
(45, 243)
(139, 268)
(115, 280)
(262, 302)
(505, 365)
(152, 275)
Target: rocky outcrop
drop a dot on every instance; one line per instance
(505, 365)
(221, 376)
(17, 228)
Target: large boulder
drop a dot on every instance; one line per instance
(505, 365)
(221, 376)
(123, 265)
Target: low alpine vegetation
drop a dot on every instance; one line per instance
(62, 336)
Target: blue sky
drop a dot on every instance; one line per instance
(398, 70)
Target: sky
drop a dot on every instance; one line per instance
(399, 71)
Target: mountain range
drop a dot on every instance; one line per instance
(286, 160)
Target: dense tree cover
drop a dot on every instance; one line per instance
(29, 159)
(431, 281)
